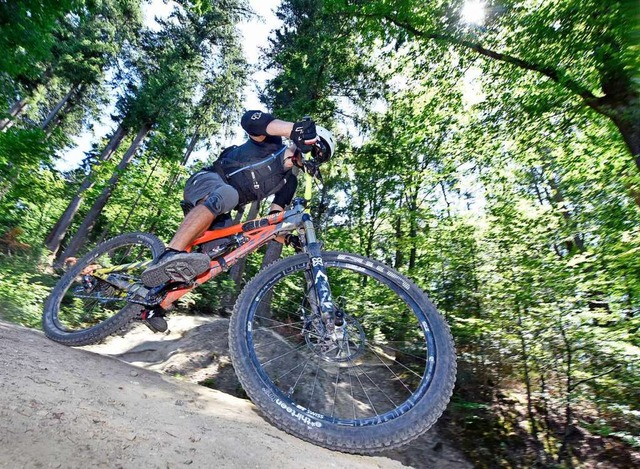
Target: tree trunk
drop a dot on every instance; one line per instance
(321, 208)
(59, 230)
(558, 198)
(371, 231)
(192, 145)
(173, 181)
(176, 176)
(544, 403)
(87, 225)
(524, 356)
(413, 228)
(237, 270)
(66, 110)
(629, 126)
(399, 258)
(16, 110)
(131, 210)
(564, 453)
(44, 125)
(273, 253)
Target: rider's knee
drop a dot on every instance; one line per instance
(285, 195)
(222, 200)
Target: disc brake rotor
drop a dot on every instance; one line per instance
(341, 344)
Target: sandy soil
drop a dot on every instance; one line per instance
(70, 408)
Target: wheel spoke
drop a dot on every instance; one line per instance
(353, 399)
(335, 394)
(313, 387)
(84, 307)
(367, 395)
(279, 325)
(373, 368)
(381, 345)
(91, 300)
(283, 355)
(393, 372)
(293, 388)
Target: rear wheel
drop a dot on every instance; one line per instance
(84, 309)
(378, 383)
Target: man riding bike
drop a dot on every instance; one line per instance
(349, 368)
(260, 167)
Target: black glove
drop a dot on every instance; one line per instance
(302, 131)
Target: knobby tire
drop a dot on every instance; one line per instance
(77, 316)
(386, 383)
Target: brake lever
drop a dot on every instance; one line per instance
(312, 168)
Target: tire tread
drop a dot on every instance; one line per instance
(108, 327)
(372, 439)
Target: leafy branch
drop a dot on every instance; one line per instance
(591, 378)
(557, 75)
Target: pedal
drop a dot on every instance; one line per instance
(141, 295)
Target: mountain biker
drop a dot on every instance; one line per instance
(260, 167)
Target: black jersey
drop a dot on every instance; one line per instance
(254, 169)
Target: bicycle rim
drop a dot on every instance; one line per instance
(88, 300)
(374, 371)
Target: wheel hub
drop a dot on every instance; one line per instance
(342, 343)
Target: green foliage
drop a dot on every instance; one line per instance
(576, 52)
(486, 162)
(23, 288)
(210, 298)
(21, 150)
(28, 33)
(318, 61)
(511, 208)
(29, 189)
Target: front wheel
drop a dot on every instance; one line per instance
(378, 383)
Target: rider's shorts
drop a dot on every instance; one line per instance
(207, 187)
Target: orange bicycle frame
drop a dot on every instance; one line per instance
(256, 233)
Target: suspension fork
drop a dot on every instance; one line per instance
(331, 316)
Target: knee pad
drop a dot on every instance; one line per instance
(222, 200)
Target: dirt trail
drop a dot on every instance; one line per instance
(69, 408)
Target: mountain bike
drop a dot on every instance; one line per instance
(335, 348)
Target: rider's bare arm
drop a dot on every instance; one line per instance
(283, 129)
(279, 128)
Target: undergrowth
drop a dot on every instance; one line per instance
(24, 286)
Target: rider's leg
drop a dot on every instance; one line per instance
(192, 227)
(174, 264)
(275, 208)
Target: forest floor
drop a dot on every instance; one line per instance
(65, 407)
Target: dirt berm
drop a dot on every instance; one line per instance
(68, 408)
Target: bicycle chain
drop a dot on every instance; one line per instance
(101, 297)
(128, 299)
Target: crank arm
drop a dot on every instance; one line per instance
(136, 293)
